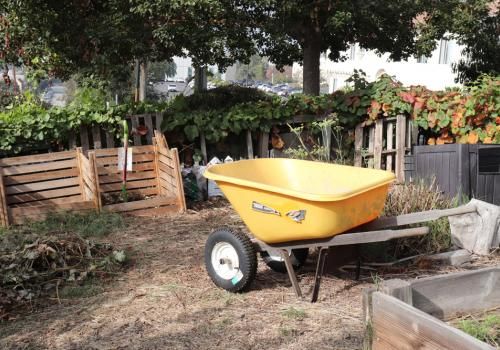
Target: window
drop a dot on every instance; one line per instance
(443, 52)
(489, 160)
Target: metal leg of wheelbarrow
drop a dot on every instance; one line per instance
(291, 273)
(320, 267)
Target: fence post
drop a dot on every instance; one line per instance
(4, 213)
(358, 145)
(377, 147)
(180, 186)
(95, 178)
(390, 145)
(249, 144)
(400, 147)
(203, 147)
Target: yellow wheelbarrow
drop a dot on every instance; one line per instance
(292, 205)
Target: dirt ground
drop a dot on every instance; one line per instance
(165, 300)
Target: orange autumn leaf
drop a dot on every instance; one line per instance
(473, 138)
(431, 118)
(497, 120)
(488, 140)
(431, 141)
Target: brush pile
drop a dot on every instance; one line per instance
(34, 265)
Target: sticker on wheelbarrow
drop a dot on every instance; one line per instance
(264, 209)
(237, 278)
(297, 215)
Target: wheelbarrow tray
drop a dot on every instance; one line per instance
(284, 200)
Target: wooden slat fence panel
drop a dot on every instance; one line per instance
(382, 145)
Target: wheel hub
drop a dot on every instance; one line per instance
(225, 260)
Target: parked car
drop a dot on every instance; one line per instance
(172, 88)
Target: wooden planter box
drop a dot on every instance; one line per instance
(408, 314)
(33, 186)
(155, 175)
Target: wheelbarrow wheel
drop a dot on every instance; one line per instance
(275, 262)
(230, 259)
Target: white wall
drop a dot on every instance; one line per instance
(436, 73)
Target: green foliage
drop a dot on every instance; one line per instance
(85, 225)
(294, 314)
(486, 329)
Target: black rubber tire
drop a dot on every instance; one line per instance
(298, 258)
(246, 255)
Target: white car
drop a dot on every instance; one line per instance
(172, 88)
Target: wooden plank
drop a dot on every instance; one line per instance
(166, 161)
(156, 167)
(203, 147)
(135, 124)
(34, 168)
(141, 204)
(41, 195)
(96, 136)
(371, 145)
(400, 147)
(113, 160)
(149, 124)
(390, 145)
(95, 177)
(181, 200)
(130, 185)
(249, 144)
(80, 158)
(60, 200)
(155, 212)
(41, 186)
(378, 141)
(110, 140)
(358, 145)
(165, 152)
(136, 150)
(37, 158)
(166, 169)
(112, 169)
(84, 138)
(105, 179)
(397, 325)
(49, 175)
(4, 216)
(264, 145)
(167, 181)
(21, 214)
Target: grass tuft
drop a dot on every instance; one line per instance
(486, 329)
(295, 314)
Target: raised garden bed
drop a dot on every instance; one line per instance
(33, 186)
(410, 314)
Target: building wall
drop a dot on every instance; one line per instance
(435, 71)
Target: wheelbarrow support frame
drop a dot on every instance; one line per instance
(379, 230)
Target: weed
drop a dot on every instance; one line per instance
(295, 314)
(288, 332)
(85, 225)
(87, 290)
(486, 329)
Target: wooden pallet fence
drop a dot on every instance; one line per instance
(383, 144)
(33, 186)
(153, 178)
(96, 137)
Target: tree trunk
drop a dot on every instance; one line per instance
(143, 81)
(200, 79)
(310, 79)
